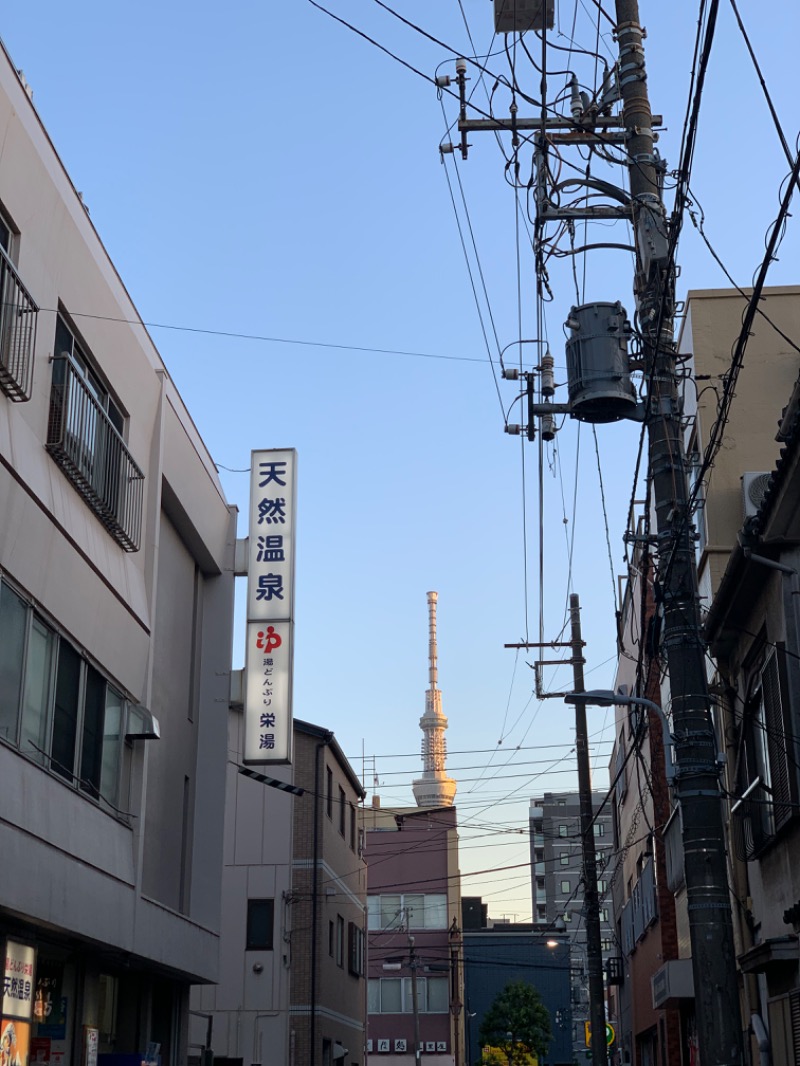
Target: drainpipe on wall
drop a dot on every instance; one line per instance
(314, 891)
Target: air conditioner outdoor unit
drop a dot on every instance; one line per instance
(754, 488)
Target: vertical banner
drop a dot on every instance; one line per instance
(270, 608)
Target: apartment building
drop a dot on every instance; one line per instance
(414, 916)
(116, 604)
(557, 885)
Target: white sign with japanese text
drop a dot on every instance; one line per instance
(18, 980)
(270, 607)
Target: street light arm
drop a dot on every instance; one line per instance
(605, 697)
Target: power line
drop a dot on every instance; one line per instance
(265, 339)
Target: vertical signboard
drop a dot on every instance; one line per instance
(270, 608)
(18, 996)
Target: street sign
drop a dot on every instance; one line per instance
(610, 1034)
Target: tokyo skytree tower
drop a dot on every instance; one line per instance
(434, 788)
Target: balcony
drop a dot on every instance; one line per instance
(18, 312)
(752, 822)
(93, 455)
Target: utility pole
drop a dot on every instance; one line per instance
(591, 899)
(697, 786)
(413, 963)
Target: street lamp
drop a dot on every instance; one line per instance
(604, 697)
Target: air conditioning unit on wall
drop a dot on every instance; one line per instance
(754, 489)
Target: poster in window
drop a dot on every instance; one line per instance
(15, 1042)
(18, 980)
(49, 1004)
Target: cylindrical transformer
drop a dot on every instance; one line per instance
(598, 371)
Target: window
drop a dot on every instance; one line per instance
(355, 949)
(408, 911)
(352, 828)
(768, 781)
(605, 944)
(339, 940)
(602, 886)
(260, 921)
(567, 916)
(599, 829)
(562, 830)
(57, 708)
(342, 810)
(330, 939)
(563, 858)
(565, 886)
(393, 995)
(329, 792)
(84, 436)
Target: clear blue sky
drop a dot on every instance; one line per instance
(259, 169)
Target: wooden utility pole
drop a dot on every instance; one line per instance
(591, 898)
(697, 786)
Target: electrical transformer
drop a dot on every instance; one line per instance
(598, 371)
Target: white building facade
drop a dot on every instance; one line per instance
(116, 605)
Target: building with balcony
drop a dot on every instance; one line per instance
(116, 608)
(754, 630)
(656, 1001)
(414, 915)
(557, 885)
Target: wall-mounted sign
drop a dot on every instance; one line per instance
(270, 607)
(18, 985)
(91, 1044)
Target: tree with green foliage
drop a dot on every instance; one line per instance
(518, 1024)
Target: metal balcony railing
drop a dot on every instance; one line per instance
(93, 455)
(18, 311)
(752, 821)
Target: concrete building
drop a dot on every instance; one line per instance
(414, 914)
(116, 603)
(656, 1000)
(496, 954)
(646, 930)
(292, 984)
(754, 631)
(557, 886)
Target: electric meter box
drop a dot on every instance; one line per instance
(598, 370)
(519, 16)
